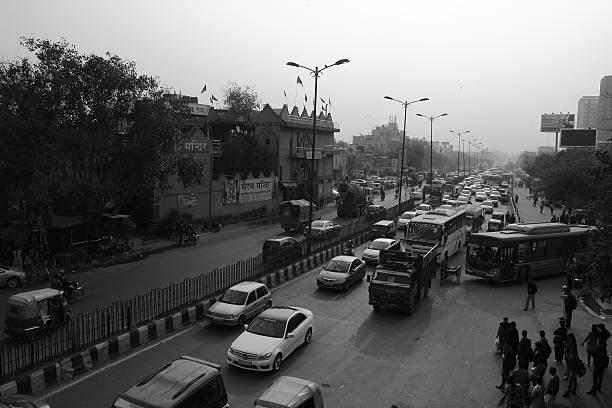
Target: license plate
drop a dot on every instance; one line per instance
(245, 363)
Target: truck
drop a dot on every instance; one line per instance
(401, 279)
(294, 214)
(351, 201)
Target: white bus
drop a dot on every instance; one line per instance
(445, 227)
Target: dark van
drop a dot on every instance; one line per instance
(186, 382)
(383, 229)
(281, 249)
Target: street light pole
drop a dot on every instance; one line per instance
(315, 72)
(431, 119)
(401, 172)
(459, 146)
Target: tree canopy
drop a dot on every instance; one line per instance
(240, 101)
(79, 131)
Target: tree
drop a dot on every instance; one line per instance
(243, 154)
(240, 101)
(79, 131)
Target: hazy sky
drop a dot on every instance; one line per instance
(493, 66)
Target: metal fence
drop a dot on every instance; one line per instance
(86, 329)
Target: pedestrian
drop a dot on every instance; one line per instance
(554, 219)
(572, 363)
(521, 377)
(512, 219)
(600, 363)
(532, 288)
(541, 206)
(591, 341)
(552, 389)
(535, 200)
(569, 305)
(502, 334)
(515, 198)
(508, 364)
(525, 353)
(542, 350)
(537, 395)
(514, 395)
(27, 261)
(46, 272)
(513, 335)
(559, 339)
(602, 335)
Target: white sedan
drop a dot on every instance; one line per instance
(487, 206)
(271, 338)
(371, 254)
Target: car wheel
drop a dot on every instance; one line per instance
(241, 321)
(308, 337)
(277, 362)
(12, 283)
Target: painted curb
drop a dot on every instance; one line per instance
(68, 368)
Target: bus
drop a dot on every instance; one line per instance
(525, 250)
(442, 226)
(474, 218)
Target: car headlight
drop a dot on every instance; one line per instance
(232, 351)
(265, 356)
(230, 316)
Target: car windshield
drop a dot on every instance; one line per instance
(336, 265)
(318, 223)
(377, 245)
(424, 207)
(489, 203)
(424, 230)
(234, 297)
(406, 216)
(265, 326)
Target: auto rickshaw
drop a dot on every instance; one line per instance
(30, 313)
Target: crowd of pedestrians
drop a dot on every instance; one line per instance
(525, 365)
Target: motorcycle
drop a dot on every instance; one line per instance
(190, 238)
(212, 226)
(72, 290)
(348, 251)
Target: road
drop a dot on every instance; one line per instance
(103, 286)
(440, 356)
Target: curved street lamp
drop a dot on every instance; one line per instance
(431, 119)
(405, 104)
(316, 72)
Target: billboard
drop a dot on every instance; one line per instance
(187, 200)
(555, 122)
(578, 138)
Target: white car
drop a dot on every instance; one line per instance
(416, 194)
(271, 338)
(481, 196)
(494, 198)
(240, 303)
(423, 208)
(404, 219)
(487, 206)
(372, 252)
(463, 200)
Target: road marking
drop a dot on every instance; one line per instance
(92, 373)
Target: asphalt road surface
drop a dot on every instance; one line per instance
(103, 286)
(440, 356)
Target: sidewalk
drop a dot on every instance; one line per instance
(590, 300)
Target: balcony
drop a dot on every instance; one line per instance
(306, 152)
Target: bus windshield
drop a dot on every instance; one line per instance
(483, 255)
(424, 230)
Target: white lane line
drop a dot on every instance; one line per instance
(80, 379)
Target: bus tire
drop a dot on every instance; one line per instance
(523, 275)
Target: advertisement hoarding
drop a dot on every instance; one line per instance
(578, 138)
(555, 122)
(187, 200)
(254, 190)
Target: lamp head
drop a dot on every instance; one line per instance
(341, 61)
(293, 64)
(388, 97)
(418, 114)
(444, 114)
(423, 99)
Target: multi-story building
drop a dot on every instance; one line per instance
(383, 138)
(604, 110)
(546, 150)
(586, 117)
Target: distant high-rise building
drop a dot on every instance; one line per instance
(604, 110)
(587, 112)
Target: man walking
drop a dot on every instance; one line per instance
(569, 305)
(532, 288)
(552, 389)
(542, 206)
(600, 363)
(502, 334)
(525, 353)
(559, 340)
(508, 365)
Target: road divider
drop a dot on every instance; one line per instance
(69, 368)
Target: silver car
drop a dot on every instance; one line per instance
(341, 272)
(240, 303)
(10, 277)
(22, 401)
(372, 252)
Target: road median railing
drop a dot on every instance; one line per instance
(86, 329)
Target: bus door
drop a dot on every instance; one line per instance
(506, 264)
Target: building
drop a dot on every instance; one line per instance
(382, 139)
(586, 117)
(604, 110)
(546, 150)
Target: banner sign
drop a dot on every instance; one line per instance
(254, 190)
(187, 200)
(230, 192)
(555, 122)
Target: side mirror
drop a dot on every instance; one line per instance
(290, 335)
(246, 326)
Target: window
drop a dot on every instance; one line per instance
(251, 298)
(210, 395)
(268, 140)
(261, 292)
(355, 264)
(295, 321)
